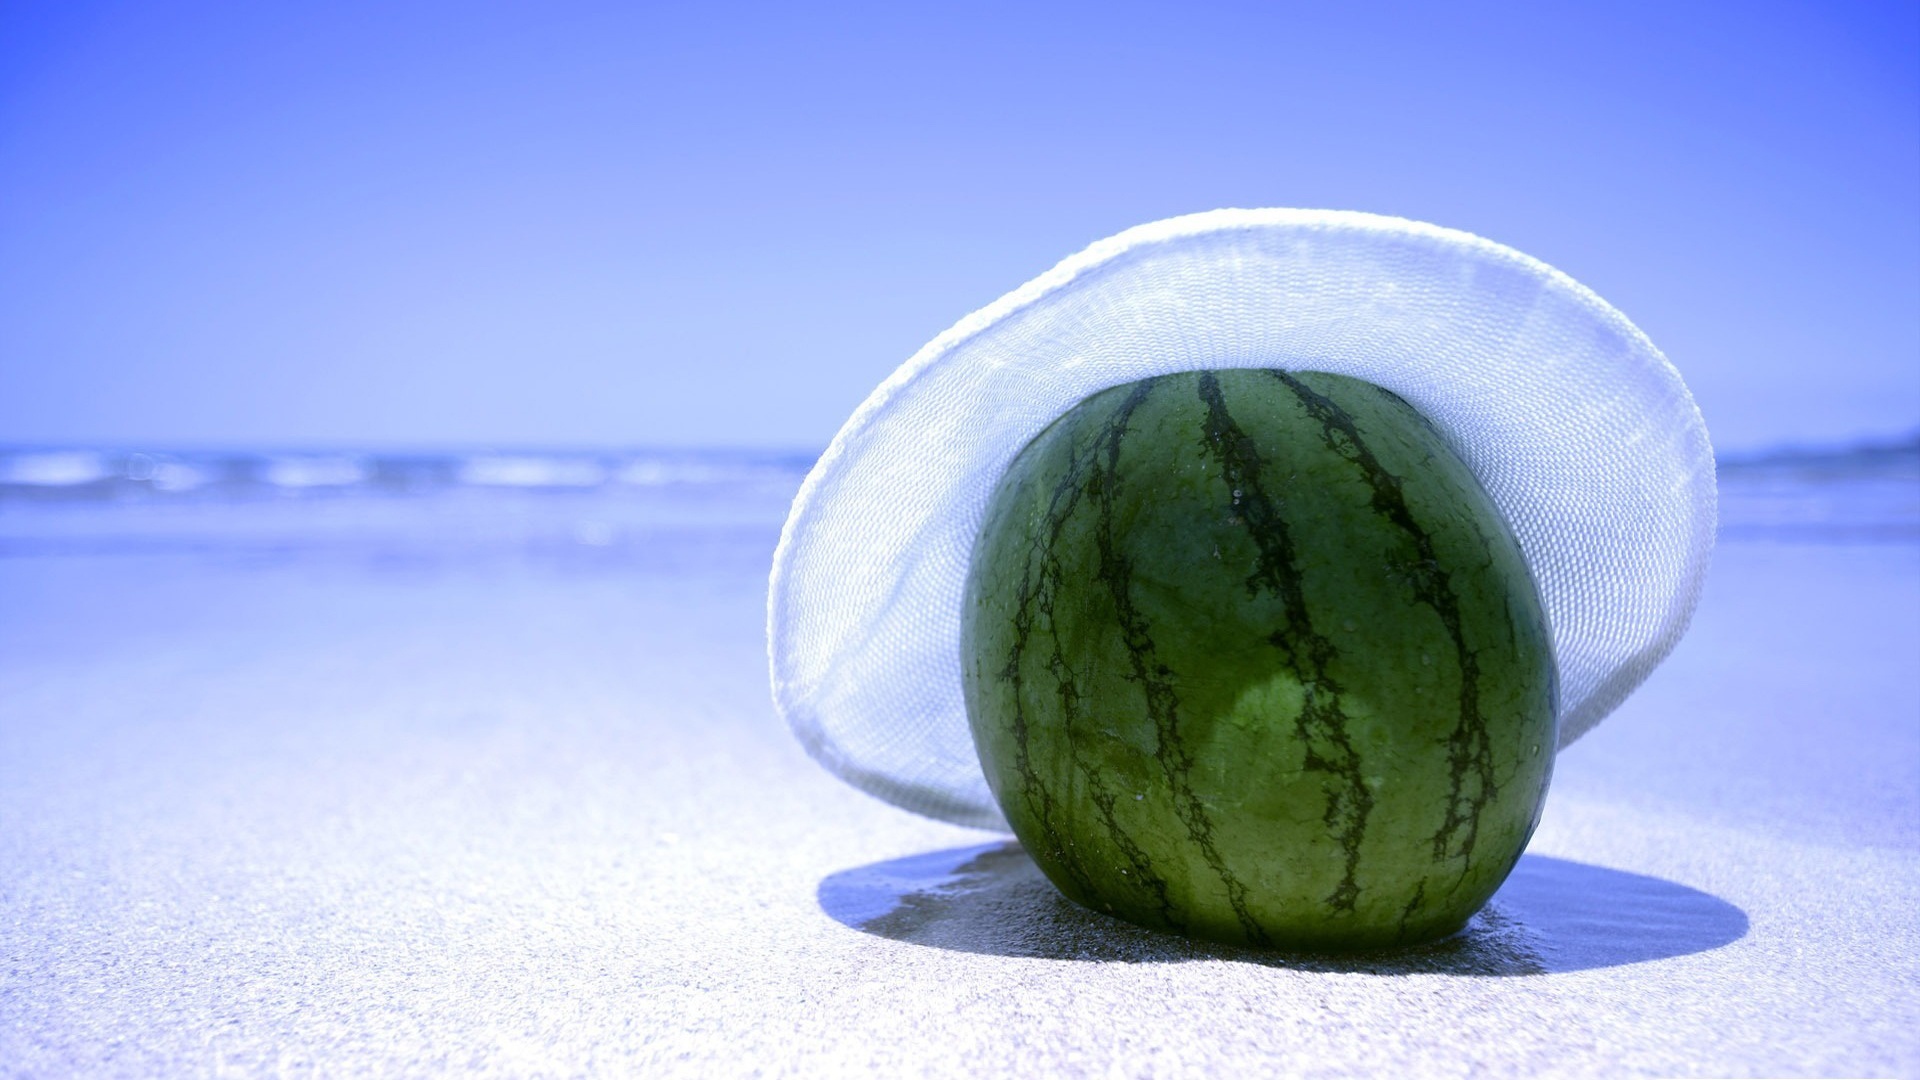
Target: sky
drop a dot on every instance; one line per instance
(631, 225)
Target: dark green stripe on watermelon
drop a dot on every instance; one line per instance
(1250, 655)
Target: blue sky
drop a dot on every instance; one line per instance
(574, 224)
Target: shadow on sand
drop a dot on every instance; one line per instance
(1552, 915)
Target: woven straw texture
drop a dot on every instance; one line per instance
(1580, 430)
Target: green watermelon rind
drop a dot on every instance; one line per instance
(1333, 730)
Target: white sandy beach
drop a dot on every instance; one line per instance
(380, 808)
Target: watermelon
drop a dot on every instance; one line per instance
(1250, 655)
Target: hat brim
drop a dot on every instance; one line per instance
(1581, 431)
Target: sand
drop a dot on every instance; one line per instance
(524, 809)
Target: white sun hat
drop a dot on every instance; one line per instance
(1579, 429)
